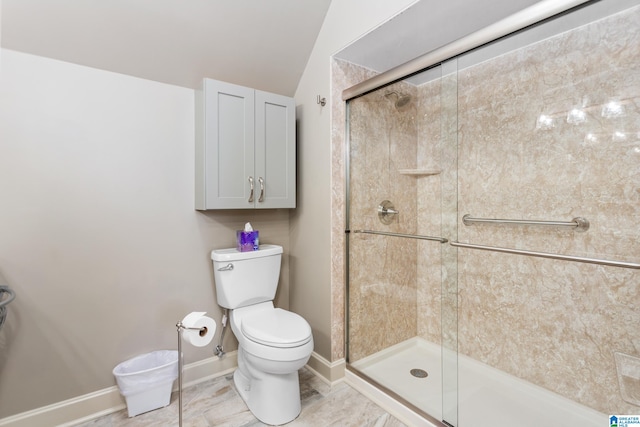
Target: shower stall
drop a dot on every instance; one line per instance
(492, 233)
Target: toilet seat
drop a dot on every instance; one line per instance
(276, 328)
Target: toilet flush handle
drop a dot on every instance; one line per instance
(227, 267)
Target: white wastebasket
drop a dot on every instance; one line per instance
(146, 381)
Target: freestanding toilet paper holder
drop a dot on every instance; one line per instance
(181, 327)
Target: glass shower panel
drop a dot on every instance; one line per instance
(396, 159)
(550, 131)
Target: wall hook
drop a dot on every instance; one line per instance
(321, 101)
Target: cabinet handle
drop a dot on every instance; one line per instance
(261, 198)
(251, 193)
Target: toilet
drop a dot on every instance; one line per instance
(273, 344)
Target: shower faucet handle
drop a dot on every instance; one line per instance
(386, 211)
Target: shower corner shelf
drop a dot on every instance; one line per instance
(419, 172)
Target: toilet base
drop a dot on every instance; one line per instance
(274, 399)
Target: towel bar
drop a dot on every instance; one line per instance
(609, 263)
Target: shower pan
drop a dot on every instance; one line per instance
(492, 239)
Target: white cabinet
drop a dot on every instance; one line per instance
(245, 148)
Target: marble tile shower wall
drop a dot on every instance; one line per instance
(551, 131)
(382, 289)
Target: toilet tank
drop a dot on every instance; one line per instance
(246, 278)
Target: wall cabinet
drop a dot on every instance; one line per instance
(245, 148)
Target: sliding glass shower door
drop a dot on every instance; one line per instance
(402, 333)
(548, 180)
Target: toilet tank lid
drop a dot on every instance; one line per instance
(232, 254)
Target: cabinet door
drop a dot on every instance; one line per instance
(229, 145)
(275, 156)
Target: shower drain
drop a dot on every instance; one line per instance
(419, 373)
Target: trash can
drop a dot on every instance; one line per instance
(146, 381)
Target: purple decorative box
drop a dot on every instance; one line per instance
(247, 240)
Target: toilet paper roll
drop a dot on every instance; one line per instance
(196, 337)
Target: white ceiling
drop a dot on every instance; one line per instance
(263, 44)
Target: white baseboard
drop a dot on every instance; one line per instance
(329, 372)
(106, 401)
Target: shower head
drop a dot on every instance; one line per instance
(400, 99)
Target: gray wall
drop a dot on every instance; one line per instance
(99, 236)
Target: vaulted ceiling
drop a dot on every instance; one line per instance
(263, 44)
(258, 43)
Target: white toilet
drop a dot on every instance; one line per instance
(273, 344)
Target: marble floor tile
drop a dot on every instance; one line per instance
(217, 403)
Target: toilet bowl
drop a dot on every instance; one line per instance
(273, 344)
